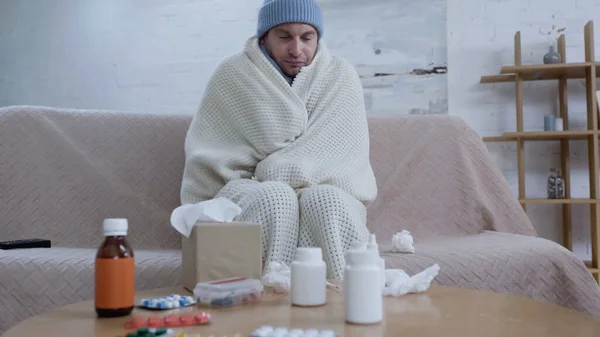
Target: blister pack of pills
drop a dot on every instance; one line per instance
(172, 301)
(169, 321)
(152, 332)
(228, 292)
(185, 334)
(269, 331)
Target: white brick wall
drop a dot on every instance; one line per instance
(480, 41)
(156, 56)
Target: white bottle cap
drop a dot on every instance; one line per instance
(372, 243)
(115, 227)
(356, 257)
(306, 254)
(358, 245)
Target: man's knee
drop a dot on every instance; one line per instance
(251, 194)
(279, 189)
(276, 193)
(324, 198)
(314, 193)
(330, 204)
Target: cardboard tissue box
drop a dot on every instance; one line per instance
(221, 250)
(214, 246)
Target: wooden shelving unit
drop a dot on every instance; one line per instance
(519, 73)
(539, 72)
(558, 201)
(544, 135)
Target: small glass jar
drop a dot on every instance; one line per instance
(556, 185)
(114, 271)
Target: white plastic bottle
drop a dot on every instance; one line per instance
(358, 245)
(374, 248)
(363, 300)
(308, 277)
(558, 124)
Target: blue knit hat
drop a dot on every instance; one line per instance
(276, 12)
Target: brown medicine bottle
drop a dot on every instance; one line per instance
(114, 271)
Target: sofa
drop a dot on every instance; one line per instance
(62, 171)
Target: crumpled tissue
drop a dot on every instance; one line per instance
(402, 242)
(185, 217)
(398, 282)
(277, 276)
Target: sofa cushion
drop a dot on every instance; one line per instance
(437, 178)
(33, 281)
(64, 171)
(514, 264)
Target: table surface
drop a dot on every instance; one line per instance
(440, 311)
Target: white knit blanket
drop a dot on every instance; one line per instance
(252, 123)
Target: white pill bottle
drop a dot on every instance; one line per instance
(374, 247)
(362, 287)
(308, 277)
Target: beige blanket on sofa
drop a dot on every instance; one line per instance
(442, 185)
(62, 171)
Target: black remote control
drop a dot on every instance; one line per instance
(25, 243)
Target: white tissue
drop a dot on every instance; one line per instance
(403, 242)
(398, 282)
(185, 217)
(278, 276)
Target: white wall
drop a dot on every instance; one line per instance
(156, 56)
(480, 41)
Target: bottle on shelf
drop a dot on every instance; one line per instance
(114, 271)
(549, 122)
(558, 124)
(556, 185)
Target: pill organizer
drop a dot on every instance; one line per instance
(228, 292)
(169, 320)
(167, 302)
(269, 331)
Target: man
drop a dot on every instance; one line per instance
(282, 131)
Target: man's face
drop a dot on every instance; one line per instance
(292, 46)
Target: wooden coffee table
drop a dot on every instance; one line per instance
(441, 311)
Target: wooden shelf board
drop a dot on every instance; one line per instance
(551, 135)
(497, 79)
(498, 139)
(541, 135)
(589, 266)
(558, 201)
(541, 72)
(549, 71)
